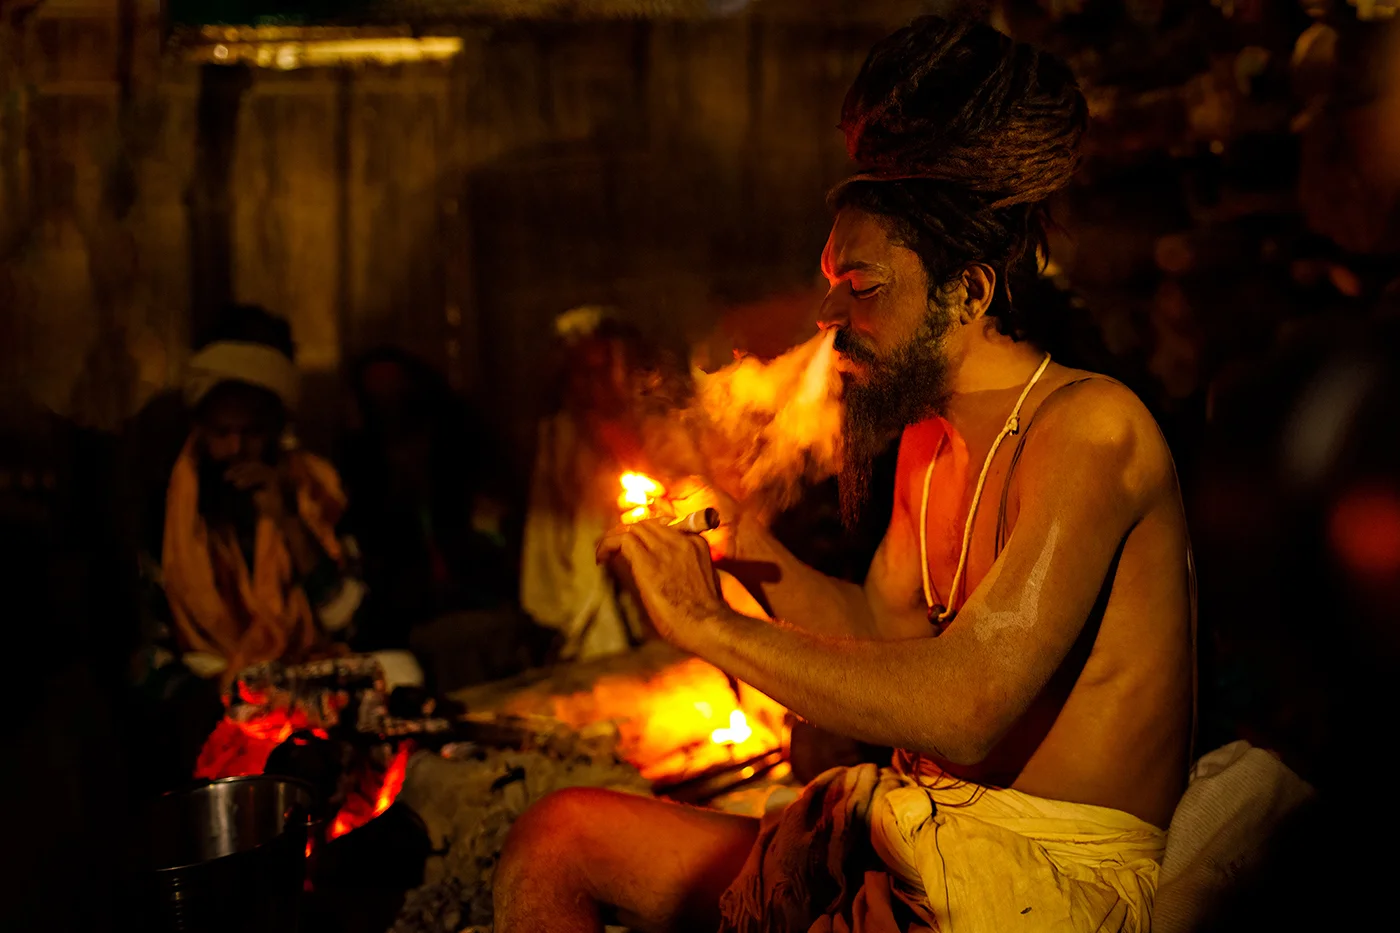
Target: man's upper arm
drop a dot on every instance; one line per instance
(1086, 476)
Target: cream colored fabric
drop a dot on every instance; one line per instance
(561, 585)
(869, 849)
(235, 361)
(1237, 797)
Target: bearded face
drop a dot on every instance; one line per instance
(892, 342)
(896, 389)
(235, 423)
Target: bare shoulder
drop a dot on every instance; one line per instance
(1101, 425)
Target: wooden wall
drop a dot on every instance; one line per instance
(669, 168)
(673, 168)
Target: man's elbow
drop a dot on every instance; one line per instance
(963, 751)
(965, 742)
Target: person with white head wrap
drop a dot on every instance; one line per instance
(251, 562)
(242, 361)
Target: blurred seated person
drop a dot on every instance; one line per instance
(428, 507)
(611, 380)
(250, 559)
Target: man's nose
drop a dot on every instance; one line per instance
(833, 313)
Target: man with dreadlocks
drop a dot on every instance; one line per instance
(1025, 634)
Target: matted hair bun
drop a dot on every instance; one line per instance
(962, 103)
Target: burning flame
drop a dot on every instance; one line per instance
(352, 815)
(737, 733)
(393, 780)
(639, 494)
(639, 489)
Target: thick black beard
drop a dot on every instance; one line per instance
(906, 387)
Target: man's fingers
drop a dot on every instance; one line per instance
(654, 528)
(612, 543)
(650, 536)
(659, 534)
(608, 547)
(653, 535)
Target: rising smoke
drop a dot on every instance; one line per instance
(767, 428)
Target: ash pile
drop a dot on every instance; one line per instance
(470, 793)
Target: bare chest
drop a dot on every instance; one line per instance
(947, 524)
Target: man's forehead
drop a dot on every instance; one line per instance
(858, 241)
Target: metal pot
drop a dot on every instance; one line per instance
(227, 856)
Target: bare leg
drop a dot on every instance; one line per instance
(580, 851)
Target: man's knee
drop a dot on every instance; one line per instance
(553, 829)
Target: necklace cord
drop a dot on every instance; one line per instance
(1012, 426)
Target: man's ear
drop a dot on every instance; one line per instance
(978, 284)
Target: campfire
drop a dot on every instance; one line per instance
(339, 706)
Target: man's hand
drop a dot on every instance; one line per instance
(673, 575)
(275, 497)
(272, 492)
(694, 493)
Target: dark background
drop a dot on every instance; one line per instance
(669, 159)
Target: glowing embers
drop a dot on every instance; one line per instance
(239, 747)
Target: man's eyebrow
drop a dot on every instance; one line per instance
(856, 265)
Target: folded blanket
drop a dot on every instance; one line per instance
(1238, 797)
(871, 849)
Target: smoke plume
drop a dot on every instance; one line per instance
(766, 428)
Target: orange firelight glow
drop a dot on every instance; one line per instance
(737, 733)
(639, 493)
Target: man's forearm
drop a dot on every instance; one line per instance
(305, 550)
(824, 605)
(896, 693)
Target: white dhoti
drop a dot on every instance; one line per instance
(871, 849)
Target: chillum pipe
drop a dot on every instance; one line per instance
(697, 522)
